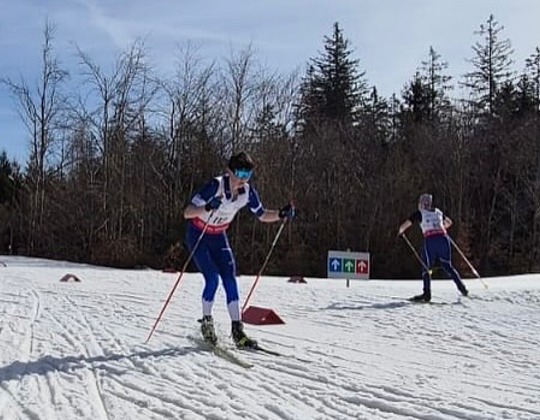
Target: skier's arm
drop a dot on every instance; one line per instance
(286, 212)
(416, 217)
(192, 211)
(447, 222)
(404, 226)
(268, 216)
(204, 201)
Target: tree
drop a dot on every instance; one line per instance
(492, 62)
(417, 101)
(10, 181)
(41, 112)
(333, 88)
(121, 108)
(532, 75)
(437, 82)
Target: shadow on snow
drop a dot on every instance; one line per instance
(395, 304)
(68, 364)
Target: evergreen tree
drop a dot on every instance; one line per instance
(333, 88)
(532, 74)
(377, 121)
(425, 97)
(492, 61)
(7, 182)
(417, 100)
(433, 77)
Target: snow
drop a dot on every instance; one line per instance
(77, 350)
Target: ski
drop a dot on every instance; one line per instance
(431, 302)
(265, 350)
(412, 299)
(221, 352)
(261, 349)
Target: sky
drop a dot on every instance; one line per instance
(76, 351)
(390, 37)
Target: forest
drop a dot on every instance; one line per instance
(115, 155)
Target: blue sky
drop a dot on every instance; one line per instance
(389, 37)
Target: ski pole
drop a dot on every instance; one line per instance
(184, 268)
(264, 264)
(415, 253)
(468, 262)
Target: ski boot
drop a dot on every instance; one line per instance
(207, 330)
(424, 297)
(240, 338)
(463, 290)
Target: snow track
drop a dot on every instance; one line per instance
(75, 350)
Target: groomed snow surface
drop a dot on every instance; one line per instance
(77, 350)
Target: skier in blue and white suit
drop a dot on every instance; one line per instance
(210, 212)
(436, 247)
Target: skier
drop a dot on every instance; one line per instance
(436, 246)
(211, 211)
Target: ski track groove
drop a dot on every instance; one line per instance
(148, 395)
(26, 347)
(22, 411)
(95, 388)
(28, 343)
(312, 389)
(74, 332)
(378, 401)
(149, 399)
(69, 336)
(337, 385)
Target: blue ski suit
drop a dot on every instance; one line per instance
(213, 255)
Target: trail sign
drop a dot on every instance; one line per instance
(348, 265)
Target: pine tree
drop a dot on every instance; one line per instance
(7, 181)
(532, 66)
(492, 61)
(425, 97)
(417, 99)
(432, 75)
(333, 88)
(377, 120)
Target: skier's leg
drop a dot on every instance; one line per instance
(206, 266)
(203, 260)
(226, 266)
(427, 260)
(227, 271)
(445, 258)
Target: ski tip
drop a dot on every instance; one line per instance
(267, 351)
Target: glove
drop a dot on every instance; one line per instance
(287, 212)
(213, 204)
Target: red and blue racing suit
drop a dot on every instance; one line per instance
(436, 246)
(213, 256)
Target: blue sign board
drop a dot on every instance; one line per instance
(334, 265)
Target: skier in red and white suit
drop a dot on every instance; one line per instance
(436, 246)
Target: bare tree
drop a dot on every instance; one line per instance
(117, 116)
(239, 89)
(40, 110)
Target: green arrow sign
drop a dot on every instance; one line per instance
(349, 265)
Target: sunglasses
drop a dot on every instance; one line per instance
(243, 173)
